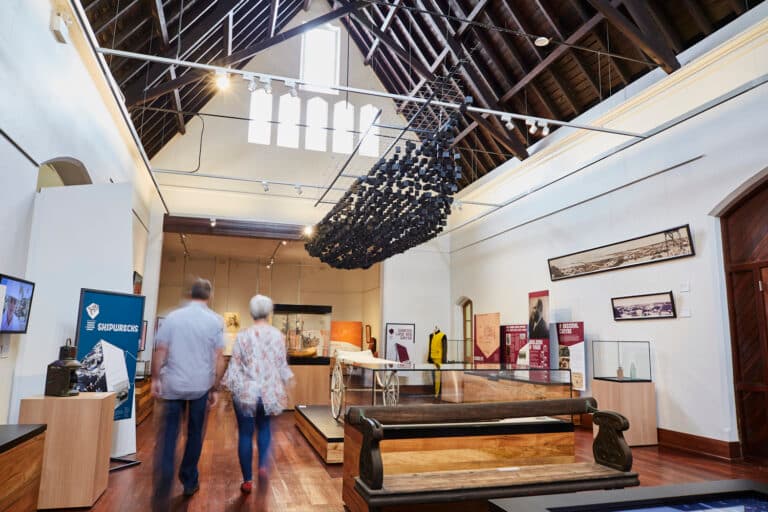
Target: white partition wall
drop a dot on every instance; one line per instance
(81, 238)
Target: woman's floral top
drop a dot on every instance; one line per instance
(258, 369)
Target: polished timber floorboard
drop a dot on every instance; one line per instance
(300, 481)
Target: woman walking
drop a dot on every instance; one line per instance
(257, 377)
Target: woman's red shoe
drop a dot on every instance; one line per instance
(246, 487)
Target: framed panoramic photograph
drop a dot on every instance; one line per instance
(652, 306)
(665, 245)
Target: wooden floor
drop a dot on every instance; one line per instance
(301, 482)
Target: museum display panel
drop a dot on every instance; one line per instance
(307, 330)
(621, 360)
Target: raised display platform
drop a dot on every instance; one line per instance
(324, 433)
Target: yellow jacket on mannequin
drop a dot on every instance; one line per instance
(438, 352)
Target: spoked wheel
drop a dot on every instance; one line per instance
(391, 389)
(337, 391)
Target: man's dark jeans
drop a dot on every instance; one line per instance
(165, 460)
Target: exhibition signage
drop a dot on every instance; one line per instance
(538, 329)
(571, 354)
(108, 336)
(515, 338)
(398, 334)
(487, 345)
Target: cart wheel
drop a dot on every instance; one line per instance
(391, 390)
(337, 391)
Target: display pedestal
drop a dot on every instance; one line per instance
(312, 384)
(21, 462)
(323, 432)
(144, 399)
(77, 446)
(636, 400)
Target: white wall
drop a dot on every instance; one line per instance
(498, 260)
(226, 150)
(56, 103)
(416, 289)
(353, 294)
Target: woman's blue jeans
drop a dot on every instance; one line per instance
(246, 426)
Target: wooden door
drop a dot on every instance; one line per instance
(745, 244)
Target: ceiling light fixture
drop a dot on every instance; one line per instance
(507, 120)
(531, 126)
(285, 242)
(292, 90)
(266, 82)
(298, 189)
(252, 86)
(222, 80)
(309, 230)
(544, 128)
(265, 184)
(459, 205)
(213, 222)
(542, 41)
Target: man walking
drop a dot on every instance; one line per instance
(187, 366)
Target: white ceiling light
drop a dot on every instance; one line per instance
(252, 85)
(531, 126)
(222, 80)
(266, 82)
(285, 242)
(507, 120)
(542, 41)
(298, 189)
(213, 222)
(265, 184)
(309, 230)
(544, 128)
(291, 85)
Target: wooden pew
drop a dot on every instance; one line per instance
(469, 489)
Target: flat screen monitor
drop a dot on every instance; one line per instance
(16, 305)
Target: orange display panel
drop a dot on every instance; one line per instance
(350, 332)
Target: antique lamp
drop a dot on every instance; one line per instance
(61, 377)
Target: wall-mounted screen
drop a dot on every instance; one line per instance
(16, 305)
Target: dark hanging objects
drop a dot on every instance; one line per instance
(401, 203)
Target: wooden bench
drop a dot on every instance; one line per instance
(469, 489)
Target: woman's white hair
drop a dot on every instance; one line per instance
(261, 306)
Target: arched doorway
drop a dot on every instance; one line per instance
(59, 172)
(467, 320)
(745, 247)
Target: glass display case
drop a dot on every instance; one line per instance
(406, 383)
(621, 361)
(307, 329)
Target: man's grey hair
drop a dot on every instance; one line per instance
(261, 307)
(201, 289)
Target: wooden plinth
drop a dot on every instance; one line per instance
(78, 441)
(312, 385)
(636, 401)
(418, 455)
(330, 450)
(144, 399)
(20, 470)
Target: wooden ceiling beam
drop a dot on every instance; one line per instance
(643, 16)
(512, 145)
(384, 27)
(651, 44)
(698, 15)
(116, 17)
(670, 34)
(307, 4)
(158, 15)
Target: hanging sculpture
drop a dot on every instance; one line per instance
(402, 202)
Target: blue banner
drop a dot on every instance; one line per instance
(108, 335)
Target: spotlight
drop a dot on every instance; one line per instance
(459, 205)
(298, 189)
(266, 82)
(544, 128)
(213, 222)
(265, 184)
(507, 120)
(269, 266)
(252, 85)
(222, 80)
(284, 242)
(542, 41)
(309, 230)
(531, 126)
(291, 85)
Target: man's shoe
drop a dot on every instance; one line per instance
(191, 491)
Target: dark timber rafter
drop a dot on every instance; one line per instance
(651, 44)
(158, 14)
(273, 10)
(384, 26)
(244, 54)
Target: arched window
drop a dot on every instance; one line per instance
(260, 127)
(289, 114)
(320, 51)
(317, 122)
(343, 124)
(370, 145)
(467, 319)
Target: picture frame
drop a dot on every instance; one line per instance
(143, 341)
(395, 334)
(138, 281)
(648, 306)
(665, 245)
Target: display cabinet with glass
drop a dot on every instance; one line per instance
(307, 329)
(621, 361)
